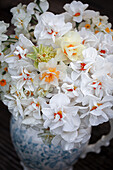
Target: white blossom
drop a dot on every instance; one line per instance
(76, 10)
(3, 29)
(50, 27)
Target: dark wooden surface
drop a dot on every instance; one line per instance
(8, 157)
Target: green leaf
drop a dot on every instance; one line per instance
(36, 64)
(36, 50)
(31, 56)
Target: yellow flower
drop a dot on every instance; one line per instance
(71, 47)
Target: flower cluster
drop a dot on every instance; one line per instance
(56, 72)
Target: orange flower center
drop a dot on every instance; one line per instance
(107, 30)
(65, 52)
(49, 77)
(99, 23)
(95, 107)
(83, 42)
(58, 113)
(87, 26)
(99, 84)
(3, 82)
(77, 14)
(82, 65)
(37, 104)
(16, 36)
(70, 45)
(96, 31)
(51, 32)
(70, 90)
(103, 51)
(5, 69)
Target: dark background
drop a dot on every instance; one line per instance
(8, 158)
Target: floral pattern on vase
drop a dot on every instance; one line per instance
(34, 154)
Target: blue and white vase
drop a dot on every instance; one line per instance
(35, 155)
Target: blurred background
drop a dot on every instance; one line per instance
(8, 158)
(104, 6)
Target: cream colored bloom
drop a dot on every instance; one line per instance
(51, 73)
(71, 47)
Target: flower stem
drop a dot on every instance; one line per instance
(12, 38)
(38, 3)
(8, 41)
(6, 48)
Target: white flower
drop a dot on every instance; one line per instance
(1, 56)
(76, 10)
(89, 39)
(32, 112)
(14, 105)
(50, 27)
(72, 89)
(5, 77)
(61, 118)
(16, 10)
(79, 67)
(4, 82)
(105, 76)
(83, 137)
(17, 57)
(3, 29)
(100, 112)
(24, 77)
(87, 25)
(90, 14)
(104, 44)
(33, 8)
(21, 21)
(51, 73)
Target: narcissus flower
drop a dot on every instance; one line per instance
(3, 29)
(51, 73)
(56, 71)
(50, 27)
(61, 118)
(71, 47)
(76, 10)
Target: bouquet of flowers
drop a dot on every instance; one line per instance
(56, 71)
